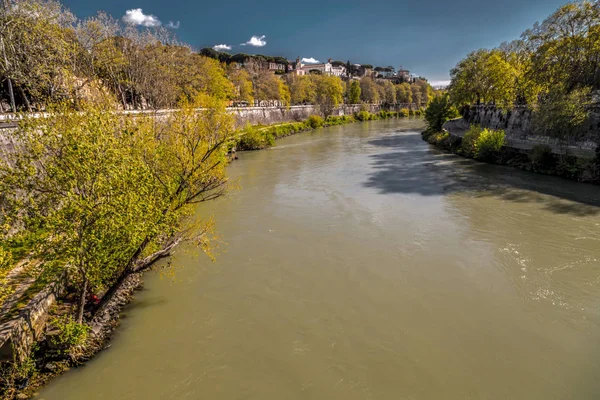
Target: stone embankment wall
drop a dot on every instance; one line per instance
(256, 115)
(518, 124)
(277, 115)
(19, 333)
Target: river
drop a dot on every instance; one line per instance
(358, 262)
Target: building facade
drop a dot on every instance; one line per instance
(321, 68)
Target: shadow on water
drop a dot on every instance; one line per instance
(413, 166)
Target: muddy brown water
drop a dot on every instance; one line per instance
(360, 263)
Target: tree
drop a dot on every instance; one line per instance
(561, 114)
(369, 91)
(438, 112)
(206, 76)
(77, 184)
(186, 156)
(267, 87)
(285, 96)
(107, 194)
(243, 84)
(37, 43)
(566, 47)
(302, 89)
(329, 92)
(404, 93)
(354, 92)
(486, 76)
(389, 92)
(417, 94)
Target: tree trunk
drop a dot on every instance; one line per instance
(10, 87)
(27, 104)
(82, 297)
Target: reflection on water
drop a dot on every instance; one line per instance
(363, 264)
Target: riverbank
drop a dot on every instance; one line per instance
(582, 166)
(259, 137)
(22, 380)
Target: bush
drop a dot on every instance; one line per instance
(488, 144)
(363, 116)
(384, 114)
(468, 142)
(338, 120)
(542, 158)
(314, 121)
(569, 167)
(404, 112)
(69, 333)
(255, 138)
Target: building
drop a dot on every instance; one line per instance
(273, 66)
(339, 70)
(404, 75)
(321, 68)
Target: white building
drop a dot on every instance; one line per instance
(324, 68)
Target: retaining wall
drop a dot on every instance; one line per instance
(519, 124)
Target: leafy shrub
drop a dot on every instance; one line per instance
(315, 121)
(569, 167)
(70, 333)
(338, 120)
(383, 114)
(542, 158)
(404, 112)
(489, 143)
(468, 142)
(284, 130)
(363, 116)
(255, 138)
(333, 120)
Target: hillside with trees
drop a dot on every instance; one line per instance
(49, 55)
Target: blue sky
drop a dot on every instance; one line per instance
(428, 37)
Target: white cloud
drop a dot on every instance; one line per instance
(222, 47)
(439, 83)
(173, 25)
(256, 41)
(135, 16)
(311, 60)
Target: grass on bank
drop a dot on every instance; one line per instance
(260, 137)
